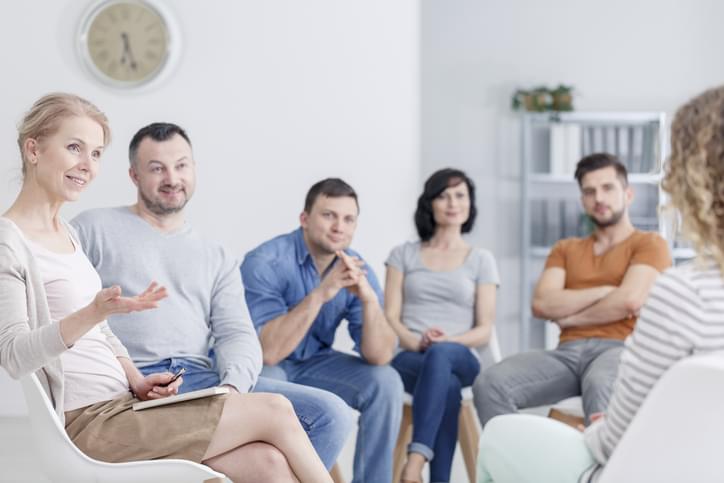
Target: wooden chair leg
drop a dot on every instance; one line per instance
(468, 437)
(403, 439)
(336, 474)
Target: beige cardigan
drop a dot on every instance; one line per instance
(29, 339)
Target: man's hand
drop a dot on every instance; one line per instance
(337, 278)
(346, 273)
(154, 386)
(355, 268)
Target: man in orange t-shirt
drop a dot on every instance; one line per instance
(592, 288)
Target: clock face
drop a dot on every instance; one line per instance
(126, 43)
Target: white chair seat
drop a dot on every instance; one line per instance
(62, 462)
(466, 393)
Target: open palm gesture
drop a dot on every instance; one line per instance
(109, 300)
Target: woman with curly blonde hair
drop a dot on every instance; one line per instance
(683, 315)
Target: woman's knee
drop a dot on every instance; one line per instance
(451, 352)
(267, 463)
(279, 406)
(454, 358)
(268, 456)
(267, 405)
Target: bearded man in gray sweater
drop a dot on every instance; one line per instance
(203, 326)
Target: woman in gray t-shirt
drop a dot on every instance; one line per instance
(440, 299)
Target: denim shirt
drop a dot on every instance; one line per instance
(279, 273)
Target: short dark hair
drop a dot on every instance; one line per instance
(330, 187)
(596, 161)
(438, 182)
(158, 131)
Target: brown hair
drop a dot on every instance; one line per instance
(44, 117)
(694, 176)
(596, 161)
(330, 187)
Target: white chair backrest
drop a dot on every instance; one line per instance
(676, 435)
(490, 353)
(55, 452)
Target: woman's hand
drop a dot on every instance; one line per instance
(153, 386)
(432, 336)
(109, 301)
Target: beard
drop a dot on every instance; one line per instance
(611, 221)
(158, 207)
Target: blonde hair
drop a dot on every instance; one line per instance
(694, 176)
(44, 118)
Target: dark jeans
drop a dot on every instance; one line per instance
(435, 378)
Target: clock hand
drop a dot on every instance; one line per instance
(124, 39)
(127, 53)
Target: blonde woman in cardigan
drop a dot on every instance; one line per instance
(52, 322)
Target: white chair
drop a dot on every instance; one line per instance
(677, 433)
(62, 462)
(468, 426)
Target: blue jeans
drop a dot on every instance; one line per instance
(375, 391)
(583, 367)
(435, 378)
(324, 416)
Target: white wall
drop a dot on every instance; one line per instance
(619, 55)
(275, 96)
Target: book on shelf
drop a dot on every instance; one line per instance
(565, 148)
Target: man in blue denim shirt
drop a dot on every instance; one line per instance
(298, 288)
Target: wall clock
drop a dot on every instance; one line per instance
(128, 43)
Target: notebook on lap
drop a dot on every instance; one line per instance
(188, 396)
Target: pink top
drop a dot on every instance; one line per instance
(92, 371)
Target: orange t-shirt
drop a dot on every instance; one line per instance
(586, 270)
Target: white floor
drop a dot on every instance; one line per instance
(346, 457)
(16, 446)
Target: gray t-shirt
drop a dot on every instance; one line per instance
(205, 304)
(443, 299)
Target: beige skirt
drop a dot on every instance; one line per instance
(112, 431)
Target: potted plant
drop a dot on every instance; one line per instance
(562, 98)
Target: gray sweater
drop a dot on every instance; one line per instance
(29, 340)
(205, 307)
